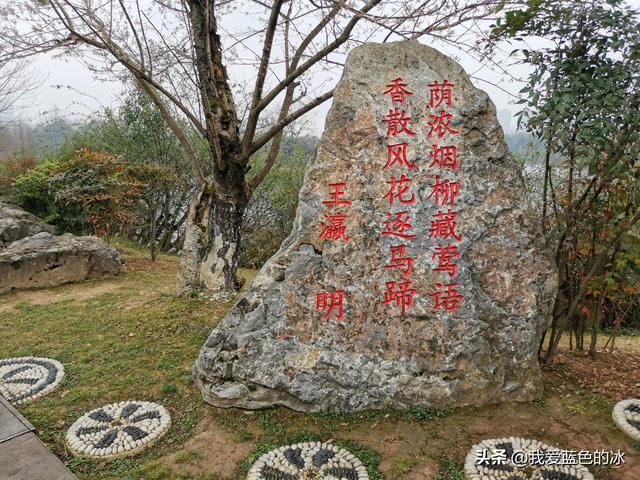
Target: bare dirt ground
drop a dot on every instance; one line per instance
(211, 449)
(210, 443)
(163, 267)
(45, 297)
(614, 375)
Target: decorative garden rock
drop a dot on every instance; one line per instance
(626, 414)
(118, 430)
(45, 260)
(284, 343)
(26, 378)
(517, 458)
(308, 461)
(16, 223)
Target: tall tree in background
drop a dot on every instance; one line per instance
(174, 51)
(583, 102)
(137, 132)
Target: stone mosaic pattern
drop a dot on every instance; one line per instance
(308, 461)
(118, 429)
(510, 471)
(26, 378)
(626, 414)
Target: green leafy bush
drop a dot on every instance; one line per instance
(89, 192)
(11, 168)
(33, 191)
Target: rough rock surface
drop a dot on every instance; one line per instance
(15, 223)
(45, 260)
(274, 347)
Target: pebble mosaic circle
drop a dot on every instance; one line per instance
(118, 430)
(27, 378)
(626, 414)
(308, 461)
(520, 469)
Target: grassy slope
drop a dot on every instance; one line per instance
(131, 338)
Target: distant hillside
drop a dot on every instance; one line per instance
(43, 138)
(521, 142)
(15, 138)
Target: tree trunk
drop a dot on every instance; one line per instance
(152, 232)
(597, 322)
(196, 239)
(571, 331)
(211, 247)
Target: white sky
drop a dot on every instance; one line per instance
(81, 94)
(70, 87)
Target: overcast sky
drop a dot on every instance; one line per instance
(69, 87)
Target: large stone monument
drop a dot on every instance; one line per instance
(412, 275)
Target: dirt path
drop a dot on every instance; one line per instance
(163, 271)
(61, 294)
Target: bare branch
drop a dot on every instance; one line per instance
(174, 48)
(276, 141)
(15, 85)
(254, 113)
(297, 72)
(177, 131)
(265, 137)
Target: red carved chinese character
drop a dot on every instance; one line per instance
(440, 92)
(398, 188)
(399, 260)
(445, 191)
(444, 157)
(398, 154)
(445, 257)
(397, 91)
(328, 301)
(400, 293)
(447, 298)
(399, 225)
(440, 124)
(443, 225)
(397, 123)
(336, 195)
(335, 229)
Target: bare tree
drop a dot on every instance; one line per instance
(14, 87)
(174, 50)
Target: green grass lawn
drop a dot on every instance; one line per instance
(130, 338)
(131, 344)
